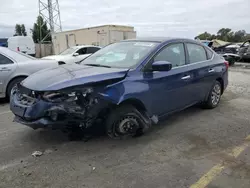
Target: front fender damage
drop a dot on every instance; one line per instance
(75, 114)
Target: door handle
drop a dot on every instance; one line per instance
(5, 69)
(186, 77)
(211, 70)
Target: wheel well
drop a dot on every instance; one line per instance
(136, 103)
(221, 83)
(14, 79)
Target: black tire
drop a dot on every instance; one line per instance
(125, 114)
(12, 84)
(214, 96)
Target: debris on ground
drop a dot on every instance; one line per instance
(27, 174)
(47, 151)
(93, 168)
(37, 154)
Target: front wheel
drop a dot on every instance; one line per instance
(12, 84)
(214, 96)
(125, 121)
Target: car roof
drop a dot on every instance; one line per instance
(17, 56)
(84, 46)
(162, 39)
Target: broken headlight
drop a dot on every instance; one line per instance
(13, 90)
(60, 96)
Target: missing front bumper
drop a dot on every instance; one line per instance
(41, 123)
(43, 114)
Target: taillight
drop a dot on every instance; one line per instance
(18, 49)
(227, 64)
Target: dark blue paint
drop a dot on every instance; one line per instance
(160, 92)
(70, 75)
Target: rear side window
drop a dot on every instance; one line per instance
(4, 60)
(196, 53)
(92, 50)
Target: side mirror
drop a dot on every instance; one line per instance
(76, 54)
(161, 66)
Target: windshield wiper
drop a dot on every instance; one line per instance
(97, 65)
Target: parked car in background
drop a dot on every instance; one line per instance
(16, 66)
(228, 51)
(126, 85)
(244, 51)
(208, 43)
(74, 54)
(24, 44)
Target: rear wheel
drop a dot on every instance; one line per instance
(124, 121)
(214, 96)
(12, 84)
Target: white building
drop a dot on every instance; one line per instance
(100, 36)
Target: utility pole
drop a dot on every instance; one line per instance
(49, 10)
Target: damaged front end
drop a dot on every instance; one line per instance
(56, 109)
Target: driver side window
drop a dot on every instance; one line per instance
(82, 51)
(173, 53)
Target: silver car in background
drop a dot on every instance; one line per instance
(16, 66)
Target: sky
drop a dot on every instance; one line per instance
(174, 18)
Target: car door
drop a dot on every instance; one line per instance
(170, 90)
(7, 67)
(202, 69)
(82, 53)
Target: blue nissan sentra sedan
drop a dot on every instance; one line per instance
(126, 85)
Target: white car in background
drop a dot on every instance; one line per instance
(16, 66)
(74, 54)
(24, 44)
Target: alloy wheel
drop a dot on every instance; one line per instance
(216, 94)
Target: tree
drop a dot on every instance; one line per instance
(23, 30)
(204, 36)
(239, 35)
(40, 31)
(225, 34)
(18, 30)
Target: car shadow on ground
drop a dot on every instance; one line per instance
(3, 101)
(98, 136)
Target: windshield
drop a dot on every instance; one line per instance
(120, 55)
(68, 51)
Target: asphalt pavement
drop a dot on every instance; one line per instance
(193, 148)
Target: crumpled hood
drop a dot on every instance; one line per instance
(69, 75)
